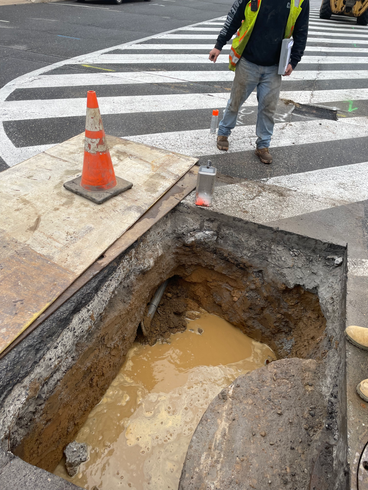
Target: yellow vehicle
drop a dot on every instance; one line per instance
(351, 8)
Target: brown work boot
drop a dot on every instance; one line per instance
(362, 390)
(264, 155)
(358, 336)
(222, 143)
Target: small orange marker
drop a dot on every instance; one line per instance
(214, 121)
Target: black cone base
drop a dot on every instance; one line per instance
(98, 197)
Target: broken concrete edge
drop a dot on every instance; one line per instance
(76, 453)
(16, 474)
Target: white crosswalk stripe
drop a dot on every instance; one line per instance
(180, 58)
(243, 137)
(165, 59)
(208, 47)
(328, 31)
(28, 110)
(130, 78)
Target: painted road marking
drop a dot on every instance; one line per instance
(208, 47)
(315, 26)
(69, 37)
(97, 68)
(157, 77)
(267, 205)
(201, 143)
(325, 40)
(165, 59)
(329, 41)
(51, 108)
(347, 37)
(334, 30)
(344, 184)
(43, 20)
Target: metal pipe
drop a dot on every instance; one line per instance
(153, 305)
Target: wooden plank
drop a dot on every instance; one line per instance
(29, 283)
(164, 205)
(58, 234)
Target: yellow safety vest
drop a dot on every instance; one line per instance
(246, 29)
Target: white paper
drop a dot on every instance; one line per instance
(285, 54)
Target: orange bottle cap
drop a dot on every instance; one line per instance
(215, 112)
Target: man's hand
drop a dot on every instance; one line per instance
(288, 71)
(214, 53)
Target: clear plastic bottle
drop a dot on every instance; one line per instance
(214, 121)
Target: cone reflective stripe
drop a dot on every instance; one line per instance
(98, 172)
(98, 182)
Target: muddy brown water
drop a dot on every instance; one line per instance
(139, 433)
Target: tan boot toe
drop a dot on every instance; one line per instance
(264, 155)
(222, 143)
(358, 336)
(362, 390)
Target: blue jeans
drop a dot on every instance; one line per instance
(248, 76)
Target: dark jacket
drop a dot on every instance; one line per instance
(264, 45)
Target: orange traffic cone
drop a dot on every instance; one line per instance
(98, 173)
(98, 182)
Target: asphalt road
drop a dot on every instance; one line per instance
(40, 34)
(148, 62)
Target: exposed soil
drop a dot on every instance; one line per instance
(170, 316)
(289, 320)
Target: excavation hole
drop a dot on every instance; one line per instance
(145, 421)
(281, 289)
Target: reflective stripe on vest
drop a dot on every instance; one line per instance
(247, 26)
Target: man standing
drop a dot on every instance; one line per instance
(254, 56)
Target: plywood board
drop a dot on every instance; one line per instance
(163, 206)
(58, 234)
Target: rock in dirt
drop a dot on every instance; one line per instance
(75, 453)
(192, 315)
